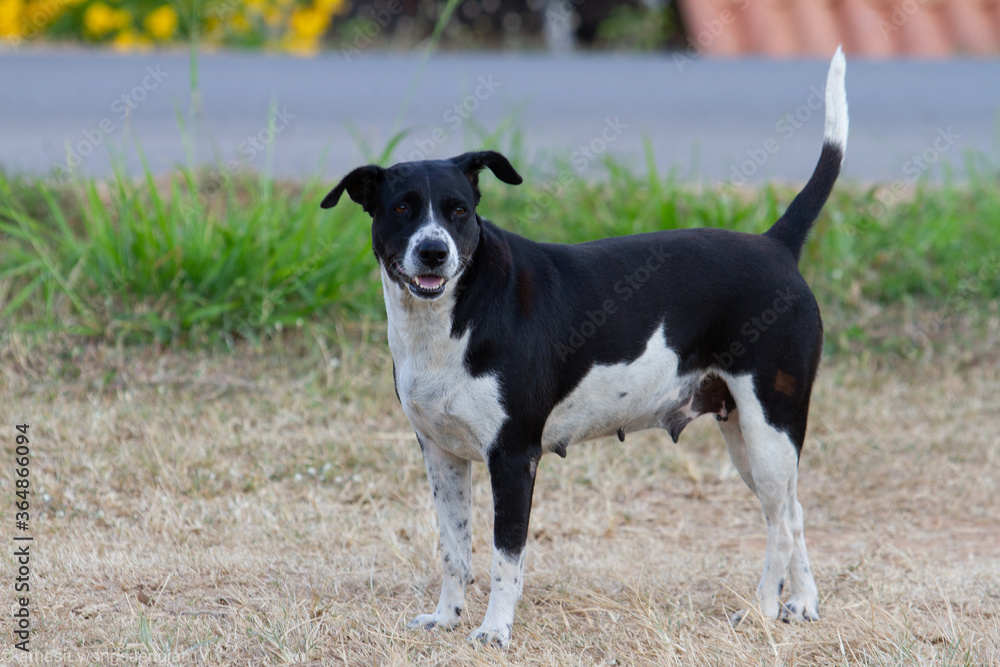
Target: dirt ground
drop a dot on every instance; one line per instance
(265, 507)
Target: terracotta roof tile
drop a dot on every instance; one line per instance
(859, 23)
(880, 28)
(708, 27)
(768, 28)
(970, 27)
(924, 33)
(816, 25)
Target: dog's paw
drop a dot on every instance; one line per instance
(444, 620)
(800, 610)
(499, 637)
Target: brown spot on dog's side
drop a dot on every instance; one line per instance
(525, 291)
(784, 383)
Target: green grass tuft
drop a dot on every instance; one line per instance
(179, 258)
(192, 257)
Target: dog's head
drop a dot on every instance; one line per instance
(424, 222)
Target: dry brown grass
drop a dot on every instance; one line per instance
(269, 507)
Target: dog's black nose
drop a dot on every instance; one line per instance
(432, 252)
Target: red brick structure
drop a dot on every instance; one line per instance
(878, 28)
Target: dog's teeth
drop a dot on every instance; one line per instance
(428, 282)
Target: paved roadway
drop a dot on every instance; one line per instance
(709, 120)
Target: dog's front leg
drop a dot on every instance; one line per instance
(451, 484)
(512, 475)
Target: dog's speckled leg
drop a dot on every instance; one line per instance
(506, 584)
(512, 475)
(451, 484)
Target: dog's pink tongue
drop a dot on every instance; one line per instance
(430, 282)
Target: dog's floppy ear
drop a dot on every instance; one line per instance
(471, 163)
(362, 185)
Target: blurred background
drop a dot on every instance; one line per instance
(783, 28)
(149, 138)
(698, 87)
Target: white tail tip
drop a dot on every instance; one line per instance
(835, 131)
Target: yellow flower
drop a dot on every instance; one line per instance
(240, 24)
(211, 27)
(10, 17)
(272, 16)
(331, 6)
(161, 23)
(129, 40)
(99, 19)
(309, 23)
(300, 46)
(39, 14)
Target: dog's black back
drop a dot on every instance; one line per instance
(550, 300)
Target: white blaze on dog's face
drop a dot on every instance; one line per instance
(425, 229)
(424, 224)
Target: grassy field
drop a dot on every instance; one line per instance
(192, 259)
(222, 474)
(269, 506)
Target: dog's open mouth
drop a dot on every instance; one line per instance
(424, 286)
(427, 286)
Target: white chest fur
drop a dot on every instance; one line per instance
(445, 404)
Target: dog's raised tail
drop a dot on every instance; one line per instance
(793, 227)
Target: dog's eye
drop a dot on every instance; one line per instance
(402, 208)
(459, 210)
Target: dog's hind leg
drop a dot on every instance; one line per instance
(768, 462)
(512, 474)
(804, 601)
(451, 483)
(733, 436)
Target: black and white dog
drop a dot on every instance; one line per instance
(505, 349)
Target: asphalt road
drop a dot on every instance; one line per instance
(707, 120)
